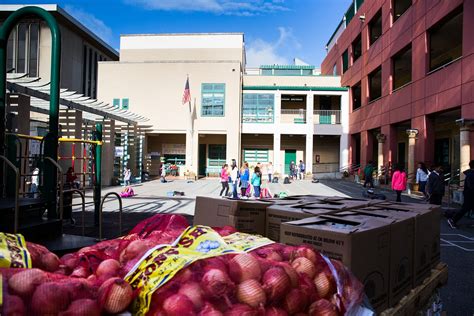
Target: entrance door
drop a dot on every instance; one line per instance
(442, 153)
(202, 160)
(401, 154)
(326, 106)
(290, 155)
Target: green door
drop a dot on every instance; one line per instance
(290, 155)
(202, 160)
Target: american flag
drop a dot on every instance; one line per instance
(187, 93)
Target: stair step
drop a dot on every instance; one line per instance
(67, 243)
(36, 229)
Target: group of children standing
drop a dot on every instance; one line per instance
(235, 177)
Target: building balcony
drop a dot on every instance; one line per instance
(327, 117)
(293, 116)
(257, 118)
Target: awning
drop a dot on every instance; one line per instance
(94, 110)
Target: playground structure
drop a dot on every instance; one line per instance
(40, 174)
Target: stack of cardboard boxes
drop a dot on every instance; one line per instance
(390, 247)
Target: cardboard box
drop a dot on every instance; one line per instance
(402, 245)
(246, 216)
(362, 244)
(278, 214)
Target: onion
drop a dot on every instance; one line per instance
(80, 272)
(178, 305)
(274, 311)
(292, 274)
(216, 283)
(134, 249)
(307, 252)
(288, 253)
(49, 299)
(215, 263)
(323, 307)
(82, 307)
(250, 292)
(244, 267)
(325, 285)
(276, 283)
(303, 265)
(108, 268)
(24, 283)
(13, 306)
(268, 253)
(70, 261)
(308, 287)
(193, 291)
(50, 262)
(209, 310)
(241, 310)
(295, 301)
(115, 295)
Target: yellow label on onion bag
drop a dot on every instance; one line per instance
(13, 251)
(161, 263)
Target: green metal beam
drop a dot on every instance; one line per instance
(98, 172)
(51, 146)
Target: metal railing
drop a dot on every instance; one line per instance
(101, 210)
(327, 116)
(83, 204)
(60, 184)
(17, 187)
(294, 116)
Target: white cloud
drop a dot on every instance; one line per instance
(227, 7)
(94, 24)
(261, 52)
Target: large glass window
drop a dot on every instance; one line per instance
(375, 84)
(345, 61)
(445, 40)
(11, 50)
(356, 48)
(287, 72)
(216, 156)
(125, 104)
(356, 96)
(401, 68)
(399, 7)
(258, 108)
(375, 27)
(334, 70)
(256, 155)
(21, 54)
(33, 50)
(213, 99)
(23, 49)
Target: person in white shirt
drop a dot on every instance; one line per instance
(270, 171)
(35, 182)
(234, 178)
(127, 174)
(422, 177)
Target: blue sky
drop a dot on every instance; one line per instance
(276, 31)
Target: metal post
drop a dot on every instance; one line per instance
(97, 173)
(51, 148)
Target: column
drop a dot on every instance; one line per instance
(309, 133)
(465, 147)
(390, 150)
(412, 136)
(344, 160)
(108, 152)
(365, 147)
(277, 167)
(380, 163)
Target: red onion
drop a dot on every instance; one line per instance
(178, 305)
(193, 291)
(303, 265)
(274, 311)
(216, 283)
(82, 307)
(49, 299)
(215, 263)
(209, 310)
(24, 283)
(288, 253)
(244, 267)
(13, 305)
(307, 252)
(307, 286)
(50, 262)
(323, 307)
(80, 272)
(136, 248)
(292, 274)
(108, 268)
(325, 285)
(241, 310)
(115, 294)
(78, 288)
(276, 283)
(295, 301)
(269, 254)
(70, 261)
(250, 292)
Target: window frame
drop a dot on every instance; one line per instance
(370, 78)
(359, 39)
(371, 25)
(213, 91)
(256, 152)
(212, 149)
(398, 54)
(394, 17)
(359, 84)
(258, 108)
(346, 67)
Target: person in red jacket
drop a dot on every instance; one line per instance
(399, 181)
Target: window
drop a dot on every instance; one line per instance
(258, 108)
(287, 72)
(217, 155)
(116, 103)
(399, 7)
(125, 105)
(213, 98)
(33, 50)
(334, 70)
(11, 50)
(267, 72)
(23, 49)
(21, 54)
(375, 27)
(256, 155)
(345, 61)
(356, 96)
(306, 72)
(375, 84)
(356, 48)
(401, 68)
(445, 40)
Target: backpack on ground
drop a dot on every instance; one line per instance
(275, 180)
(286, 181)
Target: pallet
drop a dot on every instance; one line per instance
(419, 297)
